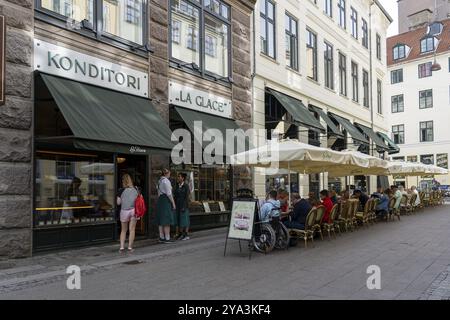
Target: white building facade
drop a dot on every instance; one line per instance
(330, 56)
(420, 97)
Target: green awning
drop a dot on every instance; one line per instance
(373, 136)
(393, 148)
(351, 129)
(298, 111)
(212, 122)
(101, 119)
(334, 129)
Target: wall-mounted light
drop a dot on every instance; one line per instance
(121, 160)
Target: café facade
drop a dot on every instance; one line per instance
(109, 86)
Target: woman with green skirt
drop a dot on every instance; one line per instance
(181, 196)
(165, 207)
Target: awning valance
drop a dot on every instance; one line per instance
(297, 110)
(102, 119)
(351, 129)
(393, 148)
(381, 146)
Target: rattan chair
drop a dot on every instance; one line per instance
(319, 219)
(353, 209)
(363, 217)
(308, 232)
(392, 210)
(330, 225)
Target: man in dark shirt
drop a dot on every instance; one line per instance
(363, 198)
(301, 210)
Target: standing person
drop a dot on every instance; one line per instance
(128, 220)
(414, 191)
(165, 207)
(327, 203)
(181, 195)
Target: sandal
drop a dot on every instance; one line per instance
(121, 250)
(130, 250)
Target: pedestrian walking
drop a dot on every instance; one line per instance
(165, 207)
(181, 195)
(126, 199)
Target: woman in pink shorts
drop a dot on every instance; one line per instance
(128, 219)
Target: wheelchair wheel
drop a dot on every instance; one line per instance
(264, 241)
(282, 237)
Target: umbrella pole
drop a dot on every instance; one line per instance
(289, 182)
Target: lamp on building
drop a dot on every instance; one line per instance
(435, 66)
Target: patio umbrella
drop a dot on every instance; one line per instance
(376, 166)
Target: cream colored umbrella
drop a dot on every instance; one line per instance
(376, 166)
(402, 168)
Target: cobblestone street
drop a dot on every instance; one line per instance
(413, 254)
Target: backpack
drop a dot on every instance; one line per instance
(139, 206)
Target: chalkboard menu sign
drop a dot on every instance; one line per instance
(2, 59)
(442, 160)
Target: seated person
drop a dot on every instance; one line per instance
(382, 208)
(378, 194)
(283, 197)
(333, 196)
(301, 209)
(271, 208)
(327, 203)
(313, 201)
(363, 198)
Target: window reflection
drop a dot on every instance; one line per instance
(73, 189)
(74, 9)
(216, 46)
(123, 19)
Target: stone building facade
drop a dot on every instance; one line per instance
(25, 24)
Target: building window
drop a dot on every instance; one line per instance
(366, 88)
(378, 37)
(399, 52)
(328, 8)
(442, 160)
(267, 13)
(398, 134)
(201, 36)
(426, 99)
(425, 70)
(329, 74)
(379, 97)
(176, 31)
(396, 76)
(291, 42)
(365, 34)
(411, 158)
(397, 103)
(354, 18)
(342, 74)
(427, 159)
(311, 55)
(355, 81)
(426, 131)
(342, 13)
(427, 45)
(122, 21)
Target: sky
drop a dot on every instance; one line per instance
(391, 8)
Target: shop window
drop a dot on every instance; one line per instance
(192, 23)
(73, 189)
(121, 21)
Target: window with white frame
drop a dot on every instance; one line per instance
(426, 99)
(311, 55)
(291, 31)
(425, 70)
(328, 7)
(398, 134)
(399, 52)
(329, 65)
(396, 76)
(267, 18)
(379, 97)
(365, 34)
(366, 88)
(342, 74)
(355, 82)
(427, 44)
(342, 14)
(397, 103)
(426, 131)
(354, 18)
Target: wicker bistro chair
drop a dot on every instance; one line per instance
(353, 221)
(392, 210)
(373, 210)
(319, 220)
(342, 217)
(332, 225)
(308, 232)
(412, 203)
(363, 217)
(404, 205)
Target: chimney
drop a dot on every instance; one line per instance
(420, 19)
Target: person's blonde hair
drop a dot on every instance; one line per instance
(127, 182)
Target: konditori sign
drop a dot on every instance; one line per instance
(81, 67)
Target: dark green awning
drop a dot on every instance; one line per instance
(297, 110)
(373, 136)
(334, 129)
(212, 122)
(350, 128)
(393, 148)
(108, 120)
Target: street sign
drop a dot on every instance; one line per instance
(2, 59)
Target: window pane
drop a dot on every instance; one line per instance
(123, 19)
(270, 40)
(270, 10)
(216, 46)
(77, 10)
(187, 48)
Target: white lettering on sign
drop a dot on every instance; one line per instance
(81, 67)
(199, 100)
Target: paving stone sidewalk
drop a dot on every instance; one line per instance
(413, 255)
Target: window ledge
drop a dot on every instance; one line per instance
(294, 71)
(313, 81)
(344, 96)
(356, 102)
(269, 58)
(331, 90)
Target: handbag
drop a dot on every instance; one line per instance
(139, 205)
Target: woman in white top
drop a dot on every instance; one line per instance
(165, 207)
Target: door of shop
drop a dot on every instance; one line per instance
(136, 167)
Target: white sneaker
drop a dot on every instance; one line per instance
(185, 238)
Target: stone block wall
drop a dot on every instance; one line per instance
(15, 131)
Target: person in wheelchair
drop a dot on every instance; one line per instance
(298, 217)
(271, 208)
